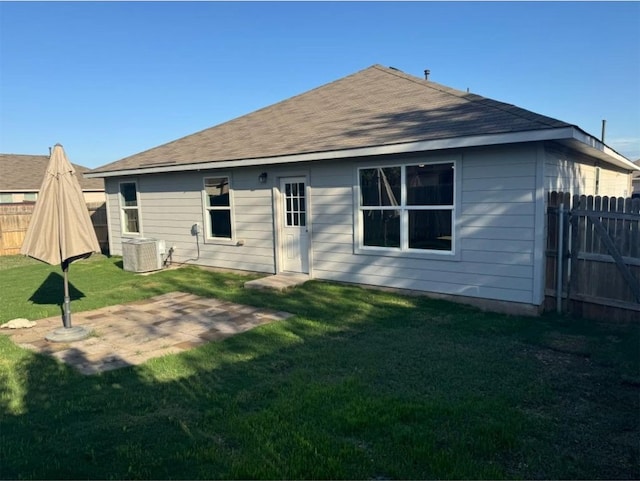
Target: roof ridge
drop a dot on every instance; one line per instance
(470, 97)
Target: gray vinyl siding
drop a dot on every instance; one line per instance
(499, 224)
(495, 217)
(171, 203)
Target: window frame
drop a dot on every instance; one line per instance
(124, 208)
(404, 250)
(208, 239)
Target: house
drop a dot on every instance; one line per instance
(635, 182)
(378, 178)
(22, 176)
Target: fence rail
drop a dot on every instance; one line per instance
(597, 272)
(15, 218)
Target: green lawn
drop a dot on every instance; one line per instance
(359, 384)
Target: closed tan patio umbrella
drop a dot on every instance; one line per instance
(60, 230)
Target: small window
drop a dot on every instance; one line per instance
(30, 196)
(6, 198)
(218, 207)
(408, 207)
(130, 208)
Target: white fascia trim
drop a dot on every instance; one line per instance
(610, 155)
(23, 191)
(563, 133)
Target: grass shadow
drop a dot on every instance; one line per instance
(51, 291)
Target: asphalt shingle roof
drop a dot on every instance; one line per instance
(377, 106)
(20, 173)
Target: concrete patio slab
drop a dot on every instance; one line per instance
(130, 334)
(279, 282)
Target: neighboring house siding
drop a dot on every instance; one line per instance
(567, 172)
(93, 197)
(19, 197)
(495, 229)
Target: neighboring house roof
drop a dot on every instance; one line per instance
(377, 107)
(24, 173)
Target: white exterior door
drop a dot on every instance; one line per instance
(295, 235)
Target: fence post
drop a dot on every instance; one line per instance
(560, 258)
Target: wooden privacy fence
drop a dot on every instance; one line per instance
(597, 273)
(14, 220)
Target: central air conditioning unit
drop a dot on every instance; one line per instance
(142, 255)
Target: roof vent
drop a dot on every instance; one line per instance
(426, 74)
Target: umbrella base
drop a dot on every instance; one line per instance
(68, 334)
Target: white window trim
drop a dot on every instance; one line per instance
(404, 250)
(206, 220)
(123, 223)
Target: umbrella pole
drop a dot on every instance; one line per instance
(67, 333)
(66, 319)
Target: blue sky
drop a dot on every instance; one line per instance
(112, 79)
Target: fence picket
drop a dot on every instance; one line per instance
(604, 264)
(635, 230)
(597, 245)
(14, 221)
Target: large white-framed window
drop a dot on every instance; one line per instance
(407, 208)
(130, 207)
(218, 208)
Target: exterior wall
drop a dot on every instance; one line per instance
(495, 219)
(170, 204)
(574, 173)
(499, 221)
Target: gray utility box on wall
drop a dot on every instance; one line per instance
(142, 255)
